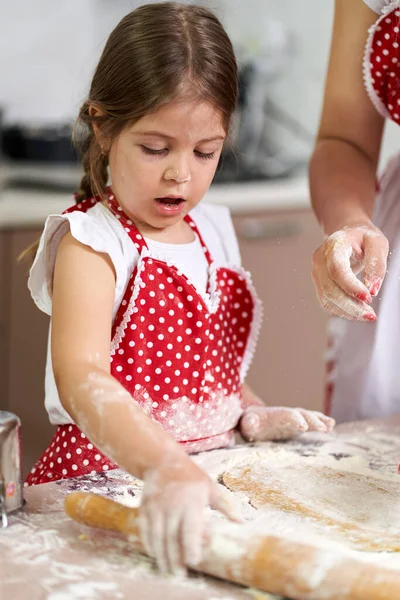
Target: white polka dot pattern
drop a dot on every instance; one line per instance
(178, 357)
(69, 454)
(175, 351)
(384, 64)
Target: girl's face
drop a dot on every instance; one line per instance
(162, 166)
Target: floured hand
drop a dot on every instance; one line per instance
(336, 264)
(172, 517)
(262, 423)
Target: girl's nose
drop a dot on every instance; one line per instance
(179, 175)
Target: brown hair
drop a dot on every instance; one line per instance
(155, 53)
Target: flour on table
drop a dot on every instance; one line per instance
(341, 505)
(336, 495)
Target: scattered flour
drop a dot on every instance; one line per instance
(67, 560)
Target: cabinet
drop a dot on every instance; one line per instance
(276, 248)
(23, 346)
(4, 305)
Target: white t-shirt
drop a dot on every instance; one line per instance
(378, 5)
(99, 229)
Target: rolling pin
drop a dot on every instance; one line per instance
(269, 563)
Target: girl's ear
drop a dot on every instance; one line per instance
(94, 111)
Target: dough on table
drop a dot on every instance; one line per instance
(360, 509)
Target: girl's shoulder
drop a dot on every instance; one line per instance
(96, 228)
(381, 6)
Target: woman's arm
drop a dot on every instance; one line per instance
(176, 490)
(343, 170)
(344, 162)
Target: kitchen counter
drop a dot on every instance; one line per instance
(29, 208)
(45, 555)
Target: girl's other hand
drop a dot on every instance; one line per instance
(267, 423)
(172, 518)
(336, 264)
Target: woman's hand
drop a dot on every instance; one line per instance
(336, 263)
(172, 519)
(262, 423)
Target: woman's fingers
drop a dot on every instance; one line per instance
(338, 303)
(334, 300)
(376, 248)
(334, 265)
(337, 252)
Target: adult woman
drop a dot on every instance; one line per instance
(360, 217)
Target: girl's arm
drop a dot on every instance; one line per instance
(176, 491)
(260, 422)
(343, 172)
(83, 297)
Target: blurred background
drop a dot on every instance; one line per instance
(48, 54)
(48, 51)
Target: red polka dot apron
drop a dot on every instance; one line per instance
(181, 354)
(363, 379)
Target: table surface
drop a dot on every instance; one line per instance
(45, 555)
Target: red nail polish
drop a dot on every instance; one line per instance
(375, 289)
(362, 296)
(369, 317)
(374, 285)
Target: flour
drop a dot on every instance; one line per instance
(104, 565)
(289, 467)
(65, 558)
(84, 591)
(263, 459)
(62, 559)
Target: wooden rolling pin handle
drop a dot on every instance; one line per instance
(96, 511)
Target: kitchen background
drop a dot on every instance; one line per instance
(47, 53)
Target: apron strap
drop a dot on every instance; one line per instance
(126, 222)
(137, 237)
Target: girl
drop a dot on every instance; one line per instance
(154, 322)
(363, 359)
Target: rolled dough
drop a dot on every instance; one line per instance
(360, 509)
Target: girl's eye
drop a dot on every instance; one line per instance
(205, 155)
(153, 152)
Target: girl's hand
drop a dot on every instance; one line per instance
(336, 263)
(262, 423)
(172, 519)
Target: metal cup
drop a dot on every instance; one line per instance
(11, 496)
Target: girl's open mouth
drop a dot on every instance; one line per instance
(167, 201)
(170, 205)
